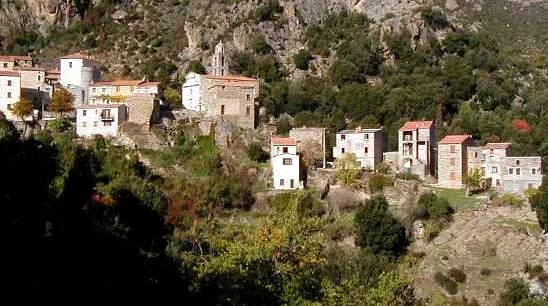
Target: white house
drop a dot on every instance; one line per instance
(10, 91)
(285, 163)
(99, 119)
(192, 92)
(78, 72)
(366, 144)
(103, 92)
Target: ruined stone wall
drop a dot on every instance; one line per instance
(142, 109)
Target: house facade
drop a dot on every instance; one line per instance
(15, 61)
(285, 160)
(366, 144)
(34, 86)
(78, 72)
(416, 148)
(105, 92)
(99, 119)
(453, 160)
(10, 91)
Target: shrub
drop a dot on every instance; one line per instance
(196, 66)
(348, 170)
(434, 18)
(446, 283)
(256, 153)
(302, 59)
(377, 230)
(377, 182)
(510, 200)
(539, 202)
(268, 11)
(60, 124)
(458, 275)
(260, 45)
(515, 290)
(485, 272)
(533, 271)
(436, 207)
(432, 228)
(407, 176)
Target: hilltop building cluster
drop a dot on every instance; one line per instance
(103, 106)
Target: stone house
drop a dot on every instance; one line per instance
(35, 87)
(453, 160)
(285, 161)
(366, 144)
(310, 138)
(501, 170)
(416, 148)
(99, 119)
(10, 91)
(15, 61)
(221, 95)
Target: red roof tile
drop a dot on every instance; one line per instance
(92, 106)
(498, 145)
(455, 139)
(78, 55)
(230, 78)
(9, 73)
(11, 58)
(283, 141)
(414, 125)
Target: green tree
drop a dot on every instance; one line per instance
(173, 97)
(435, 207)
(260, 45)
(196, 66)
(256, 153)
(302, 59)
(62, 101)
(539, 203)
(515, 290)
(348, 169)
(472, 180)
(377, 230)
(393, 289)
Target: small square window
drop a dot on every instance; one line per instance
(95, 123)
(248, 97)
(9, 106)
(366, 150)
(285, 150)
(452, 149)
(70, 64)
(343, 137)
(518, 171)
(107, 123)
(84, 124)
(491, 151)
(452, 176)
(287, 161)
(533, 171)
(9, 82)
(517, 162)
(9, 95)
(281, 182)
(84, 113)
(494, 170)
(452, 161)
(366, 136)
(510, 170)
(342, 150)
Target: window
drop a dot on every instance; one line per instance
(39, 78)
(103, 90)
(292, 184)
(9, 82)
(248, 97)
(494, 170)
(70, 64)
(452, 161)
(510, 170)
(248, 111)
(342, 150)
(518, 171)
(9, 95)
(498, 182)
(365, 150)
(95, 123)
(475, 154)
(107, 123)
(452, 149)
(287, 161)
(482, 171)
(452, 176)
(533, 171)
(84, 124)
(222, 109)
(281, 182)
(491, 151)
(343, 137)
(285, 150)
(5, 65)
(9, 106)
(84, 113)
(517, 162)
(93, 89)
(83, 95)
(366, 136)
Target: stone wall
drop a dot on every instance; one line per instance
(233, 103)
(142, 109)
(310, 135)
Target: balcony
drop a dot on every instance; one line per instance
(107, 118)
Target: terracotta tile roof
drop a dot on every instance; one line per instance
(12, 58)
(93, 106)
(359, 131)
(455, 139)
(413, 125)
(498, 145)
(78, 55)
(234, 78)
(30, 68)
(139, 83)
(283, 141)
(9, 73)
